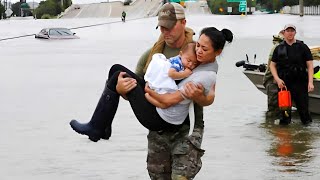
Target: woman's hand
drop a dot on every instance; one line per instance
(211, 95)
(192, 91)
(125, 84)
(196, 93)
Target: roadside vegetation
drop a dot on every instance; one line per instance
(47, 9)
(51, 8)
(1, 10)
(221, 6)
(271, 6)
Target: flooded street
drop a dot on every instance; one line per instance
(46, 83)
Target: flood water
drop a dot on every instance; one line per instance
(45, 84)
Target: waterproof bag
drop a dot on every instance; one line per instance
(284, 99)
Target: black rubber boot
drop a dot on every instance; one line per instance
(100, 123)
(305, 118)
(286, 117)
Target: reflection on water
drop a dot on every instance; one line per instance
(292, 147)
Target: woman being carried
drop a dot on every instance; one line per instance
(209, 45)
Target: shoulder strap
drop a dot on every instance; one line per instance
(282, 51)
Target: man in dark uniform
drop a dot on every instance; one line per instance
(292, 67)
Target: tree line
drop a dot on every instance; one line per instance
(278, 4)
(2, 10)
(52, 8)
(220, 6)
(46, 9)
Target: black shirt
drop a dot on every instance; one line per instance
(291, 59)
(298, 53)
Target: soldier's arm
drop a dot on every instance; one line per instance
(142, 63)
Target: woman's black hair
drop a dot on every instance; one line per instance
(218, 38)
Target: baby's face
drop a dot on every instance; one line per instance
(189, 60)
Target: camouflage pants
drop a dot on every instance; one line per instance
(174, 155)
(272, 93)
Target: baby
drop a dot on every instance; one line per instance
(162, 72)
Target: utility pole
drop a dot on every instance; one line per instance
(34, 16)
(5, 3)
(301, 7)
(246, 7)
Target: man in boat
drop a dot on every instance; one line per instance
(292, 67)
(270, 84)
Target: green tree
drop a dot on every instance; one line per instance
(16, 9)
(311, 2)
(66, 4)
(50, 7)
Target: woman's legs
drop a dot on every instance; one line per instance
(144, 111)
(100, 124)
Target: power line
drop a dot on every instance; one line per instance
(100, 24)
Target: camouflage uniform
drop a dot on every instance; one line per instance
(172, 154)
(272, 93)
(270, 84)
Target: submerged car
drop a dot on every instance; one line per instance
(56, 33)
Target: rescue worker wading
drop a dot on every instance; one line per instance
(292, 66)
(270, 84)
